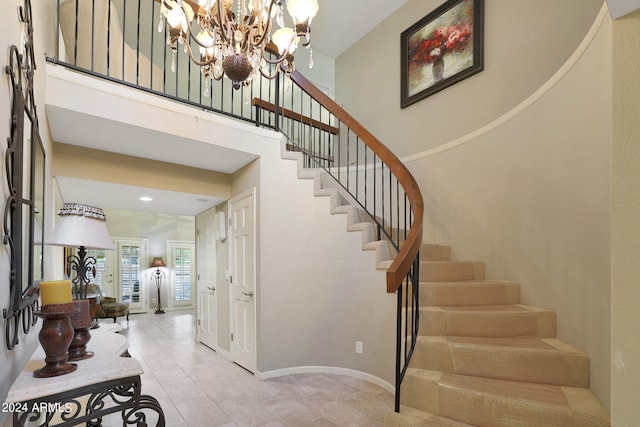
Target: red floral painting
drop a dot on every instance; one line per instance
(441, 49)
(444, 40)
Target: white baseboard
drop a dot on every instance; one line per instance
(326, 370)
(224, 353)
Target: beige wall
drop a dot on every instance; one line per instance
(318, 291)
(529, 195)
(525, 43)
(80, 162)
(625, 246)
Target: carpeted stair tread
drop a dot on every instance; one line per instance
(411, 417)
(333, 194)
(384, 265)
(384, 250)
(494, 402)
(450, 271)
(435, 252)
(469, 292)
(500, 321)
(543, 361)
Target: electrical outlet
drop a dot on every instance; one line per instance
(359, 347)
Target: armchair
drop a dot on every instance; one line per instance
(110, 308)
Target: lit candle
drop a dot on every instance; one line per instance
(55, 292)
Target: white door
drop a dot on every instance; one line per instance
(182, 267)
(131, 288)
(104, 272)
(243, 273)
(206, 267)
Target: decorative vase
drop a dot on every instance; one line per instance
(80, 321)
(55, 336)
(437, 68)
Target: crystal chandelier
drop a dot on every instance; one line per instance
(238, 41)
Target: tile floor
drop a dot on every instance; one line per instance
(198, 388)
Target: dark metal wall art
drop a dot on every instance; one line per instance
(23, 210)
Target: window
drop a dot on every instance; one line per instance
(183, 262)
(130, 273)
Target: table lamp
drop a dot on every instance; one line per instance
(83, 227)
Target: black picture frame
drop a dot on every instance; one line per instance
(454, 34)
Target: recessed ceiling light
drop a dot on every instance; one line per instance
(146, 198)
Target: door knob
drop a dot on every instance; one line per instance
(212, 289)
(248, 294)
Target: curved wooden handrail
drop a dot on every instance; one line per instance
(409, 251)
(268, 106)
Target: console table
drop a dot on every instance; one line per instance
(104, 384)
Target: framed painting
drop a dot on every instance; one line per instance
(441, 49)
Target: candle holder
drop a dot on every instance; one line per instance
(81, 322)
(55, 336)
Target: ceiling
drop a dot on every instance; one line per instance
(72, 127)
(619, 8)
(127, 197)
(341, 23)
(338, 25)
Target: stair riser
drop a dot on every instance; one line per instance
(469, 293)
(481, 409)
(530, 365)
(497, 324)
(435, 253)
(448, 271)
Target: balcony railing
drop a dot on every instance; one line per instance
(119, 41)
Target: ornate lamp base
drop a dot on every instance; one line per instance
(159, 310)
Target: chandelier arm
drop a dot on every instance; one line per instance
(198, 62)
(217, 78)
(191, 34)
(275, 73)
(221, 22)
(269, 24)
(277, 61)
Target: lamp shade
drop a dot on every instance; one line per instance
(81, 225)
(302, 10)
(158, 262)
(284, 38)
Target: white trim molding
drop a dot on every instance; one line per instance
(326, 370)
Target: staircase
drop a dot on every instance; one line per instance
(357, 220)
(482, 358)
